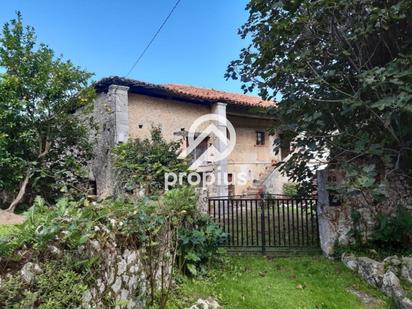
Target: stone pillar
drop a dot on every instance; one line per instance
(220, 166)
(326, 234)
(111, 116)
(119, 98)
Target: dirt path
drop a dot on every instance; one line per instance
(10, 218)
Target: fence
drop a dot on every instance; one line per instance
(267, 223)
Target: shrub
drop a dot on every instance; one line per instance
(150, 224)
(290, 189)
(394, 232)
(181, 199)
(7, 229)
(199, 241)
(70, 224)
(60, 285)
(168, 228)
(142, 164)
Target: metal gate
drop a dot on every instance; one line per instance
(267, 224)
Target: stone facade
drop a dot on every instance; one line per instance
(121, 114)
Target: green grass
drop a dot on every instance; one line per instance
(7, 229)
(292, 282)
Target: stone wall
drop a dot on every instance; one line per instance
(171, 115)
(336, 223)
(384, 275)
(121, 277)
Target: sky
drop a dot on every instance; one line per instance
(106, 37)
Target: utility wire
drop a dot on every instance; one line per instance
(153, 38)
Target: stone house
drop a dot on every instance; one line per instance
(126, 108)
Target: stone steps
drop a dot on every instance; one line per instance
(257, 185)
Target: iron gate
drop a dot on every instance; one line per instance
(267, 224)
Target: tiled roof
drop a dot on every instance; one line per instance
(217, 95)
(184, 92)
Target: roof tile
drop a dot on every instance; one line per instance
(186, 92)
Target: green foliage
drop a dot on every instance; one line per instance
(181, 199)
(356, 232)
(394, 232)
(42, 226)
(71, 224)
(343, 71)
(199, 241)
(150, 224)
(290, 189)
(13, 295)
(59, 285)
(7, 229)
(364, 183)
(392, 235)
(41, 141)
(142, 164)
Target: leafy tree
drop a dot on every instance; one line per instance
(42, 145)
(343, 69)
(143, 163)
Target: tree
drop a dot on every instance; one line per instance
(42, 144)
(344, 71)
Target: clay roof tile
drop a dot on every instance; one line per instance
(184, 92)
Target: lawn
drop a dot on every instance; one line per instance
(293, 282)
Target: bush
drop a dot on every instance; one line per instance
(70, 224)
(169, 228)
(60, 285)
(142, 164)
(290, 189)
(394, 232)
(7, 229)
(199, 241)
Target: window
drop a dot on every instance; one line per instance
(260, 138)
(231, 186)
(201, 148)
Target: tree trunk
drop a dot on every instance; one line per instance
(21, 193)
(23, 186)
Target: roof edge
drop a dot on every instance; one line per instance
(191, 94)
